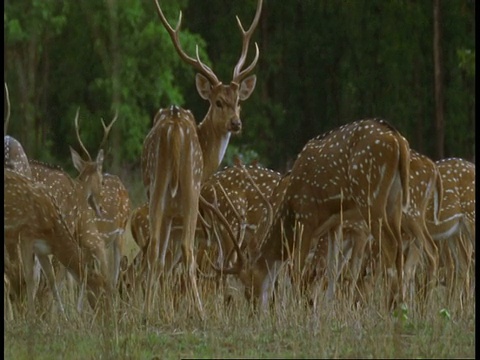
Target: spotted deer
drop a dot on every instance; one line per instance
(79, 200)
(242, 194)
(15, 159)
(172, 166)
(113, 203)
(211, 135)
(453, 229)
(223, 115)
(359, 171)
(419, 247)
(35, 221)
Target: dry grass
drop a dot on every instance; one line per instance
(291, 329)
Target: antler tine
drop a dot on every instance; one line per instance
(5, 126)
(238, 74)
(106, 129)
(78, 136)
(196, 63)
(241, 257)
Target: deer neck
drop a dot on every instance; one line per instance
(214, 142)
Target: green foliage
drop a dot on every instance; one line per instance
(466, 61)
(322, 64)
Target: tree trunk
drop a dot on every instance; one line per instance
(437, 59)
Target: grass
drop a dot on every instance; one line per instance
(291, 329)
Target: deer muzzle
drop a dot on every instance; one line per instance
(235, 125)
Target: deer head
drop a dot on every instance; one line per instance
(223, 116)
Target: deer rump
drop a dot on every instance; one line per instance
(176, 163)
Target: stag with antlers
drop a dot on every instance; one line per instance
(208, 140)
(223, 115)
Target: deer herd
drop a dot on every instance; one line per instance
(358, 205)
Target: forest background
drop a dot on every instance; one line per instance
(323, 63)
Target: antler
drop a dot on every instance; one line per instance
(196, 63)
(5, 126)
(78, 136)
(106, 129)
(238, 73)
(241, 258)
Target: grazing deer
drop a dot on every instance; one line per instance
(453, 229)
(15, 159)
(359, 171)
(242, 194)
(33, 219)
(115, 203)
(113, 207)
(418, 246)
(79, 200)
(425, 186)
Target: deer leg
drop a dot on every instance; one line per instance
(358, 250)
(27, 254)
(413, 257)
(49, 274)
(116, 260)
(189, 226)
(432, 255)
(332, 262)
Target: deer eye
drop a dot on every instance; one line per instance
(219, 104)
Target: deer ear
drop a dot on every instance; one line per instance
(77, 160)
(204, 87)
(247, 86)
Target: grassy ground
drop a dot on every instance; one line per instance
(291, 329)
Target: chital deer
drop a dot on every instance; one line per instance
(172, 166)
(115, 203)
(113, 200)
(454, 229)
(79, 199)
(239, 192)
(223, 116)
(425, 186)
(15, 159)
(243, 195)
(32, 218)
(14, 154)
(359, 171)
